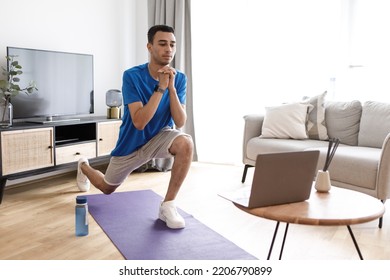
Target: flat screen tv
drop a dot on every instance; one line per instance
(64, 81)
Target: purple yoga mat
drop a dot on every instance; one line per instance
(130, 220)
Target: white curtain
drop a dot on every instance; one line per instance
(177, 14)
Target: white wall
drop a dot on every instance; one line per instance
(110, 30)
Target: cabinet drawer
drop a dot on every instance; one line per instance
(72, 153)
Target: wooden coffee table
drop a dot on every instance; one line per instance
(338, 207)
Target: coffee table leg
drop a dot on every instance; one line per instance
(284, 241)
(354, 242)
(273, 240)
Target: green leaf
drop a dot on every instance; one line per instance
(30, 90)
(4, 84)
(15, 87)
(15, 63)
(15, 92)
(16, 79)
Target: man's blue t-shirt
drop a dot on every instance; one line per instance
(138, 85)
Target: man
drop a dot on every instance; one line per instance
(154, 96)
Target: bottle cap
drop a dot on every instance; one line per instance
(81, 199)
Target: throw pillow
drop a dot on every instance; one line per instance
(286, 121)
(342, 120)
(316, 128)
(375, 124)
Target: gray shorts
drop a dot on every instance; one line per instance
(120, 167)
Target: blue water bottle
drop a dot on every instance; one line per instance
(81, 216)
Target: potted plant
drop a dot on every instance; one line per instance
(9, 87)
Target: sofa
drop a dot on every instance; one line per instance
(362, 159)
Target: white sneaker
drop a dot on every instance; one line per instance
(82, 181)
(170, 216)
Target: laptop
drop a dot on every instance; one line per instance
(278, 178)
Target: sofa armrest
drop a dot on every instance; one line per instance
(383, 176)
(252, 128)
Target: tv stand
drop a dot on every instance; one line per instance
(49, 120)
(29, 149)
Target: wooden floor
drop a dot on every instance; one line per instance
(37, 221)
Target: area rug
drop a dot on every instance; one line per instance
(130, 220)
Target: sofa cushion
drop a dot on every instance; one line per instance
(316, 128)
(286, 121)
(352, 165)
(343, 120)
(258, 145)
(374, 124)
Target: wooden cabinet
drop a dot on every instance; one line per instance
(27, 149)
(107, 135)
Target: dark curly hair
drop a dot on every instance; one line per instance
(154, 29)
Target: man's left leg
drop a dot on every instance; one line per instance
(182, 150)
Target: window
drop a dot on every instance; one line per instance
(364, 68)
(253, 53)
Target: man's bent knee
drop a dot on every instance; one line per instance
(106, 188)
(182, 144)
